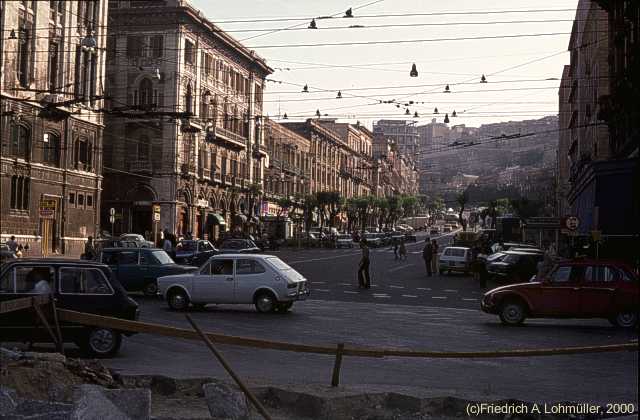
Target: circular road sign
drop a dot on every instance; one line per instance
(572, 223)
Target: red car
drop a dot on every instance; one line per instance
(572, 289)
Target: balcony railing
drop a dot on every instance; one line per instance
(218, 134)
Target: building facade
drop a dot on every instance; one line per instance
(564, 139)
(52, 59)
(403, 133)
(185, 127)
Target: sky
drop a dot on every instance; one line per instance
(517, 68)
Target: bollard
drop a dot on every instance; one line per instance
(335, 378)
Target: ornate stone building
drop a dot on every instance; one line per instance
(185, 131)
(52, 60)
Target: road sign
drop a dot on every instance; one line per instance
(156, 217)
(47, 208)
(572, 223)
(112, 219)
(156, 208)
(112, 211)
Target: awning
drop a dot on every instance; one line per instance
(240, 219)
(215, 219)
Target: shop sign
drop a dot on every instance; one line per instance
(47, 208)
(202, 203)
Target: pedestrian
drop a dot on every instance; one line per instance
(395, 249)
(427, 255)
(89, 249)
(12, 244)
(167, 246)
(403, 250)
(434, 256)
(364, 281)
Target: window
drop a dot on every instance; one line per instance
(222, 267)
(51, 149)
(80, 200)
(89, 198)
(189, 52)
(188, 99)
(561, 275)
(20, 192)
(80, 281)
(53, 63)
(157, 46)
(128, 257)
(144, 148)
(249, 267)
(20, 141)
(601, 274)
(83, 153)
(24, 53)
(162, 257)
(279, 264)
(134, 46)
(33, 279)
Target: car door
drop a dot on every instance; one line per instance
(19, 281)
(215, 282)
(250, 274)
(128, 269)
(110, 258)
(559, 294)
(597, 292)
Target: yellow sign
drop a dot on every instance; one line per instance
(48, 208)
(596, 235)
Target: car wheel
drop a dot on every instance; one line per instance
(625, 320)
(265, 302)
(512, 313)
(178, 300)
(102, 342)
(150, 289)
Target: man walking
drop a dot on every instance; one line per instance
(89, 249)
(427, 255)
(364, 281)
(434, 256)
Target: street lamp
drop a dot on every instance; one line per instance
(414, 71)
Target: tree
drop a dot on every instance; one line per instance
(335, 203)
(409, 205)
(462, 200)
(309, 205)
(381, 206)
(395, 209)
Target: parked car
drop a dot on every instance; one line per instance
(434, 230)
(455, 258)
(508, 245)
(138, 269)
(264, 280)
(77, 285)
(446, 229)
(194, 252)
(372, 240)
(344, 240)
(573, 289)
(515, 266)
(137, 238)
(235, 246)
(103, 243)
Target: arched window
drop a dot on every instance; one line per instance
(51, 149)
(188, 99)
(144, 148)
(20, 141)
(145, 97)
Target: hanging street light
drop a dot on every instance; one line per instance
(318, 113)
(414, 71)
(339, 95)
(435, 110)
(454, 114)
(446, 89)
(483, 79)
(348, 13)
(285, 117)
(446, 118)
(12, 35)
(305, 89)
(407, 112)
(312, 24)
(415, 115)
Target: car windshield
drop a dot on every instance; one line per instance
(278, 263)
(187, 246)
(511, 258)
(162, 257)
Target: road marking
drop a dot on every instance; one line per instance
(423, 288)
(399, 268)
(324, 259)
(318, 282)
(410, 296)
(345, 284)
(450, 291)
(350, 292)
(470, 300)
(438, 297)
(381, 296)
(396, 287)
(320, 290)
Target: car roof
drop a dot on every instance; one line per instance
(125, 248)
(240, 255)
(510, 252)
(457, 247)
(56, 261)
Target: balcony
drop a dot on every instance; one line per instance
(204, 173)
(226, 137)
(140, 166)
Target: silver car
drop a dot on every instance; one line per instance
(263, 280)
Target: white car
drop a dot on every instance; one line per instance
(455, 258)
(263, 280)
(344, 240)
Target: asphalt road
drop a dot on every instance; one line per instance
(406, 310)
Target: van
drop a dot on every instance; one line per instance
(455, 258)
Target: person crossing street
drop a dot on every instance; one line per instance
(363, 271)
(427, 255)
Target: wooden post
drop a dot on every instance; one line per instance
(230, 371)
(335, 378)
(46, 326)
(56, 324)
